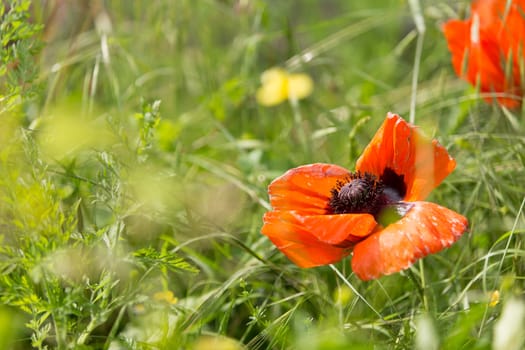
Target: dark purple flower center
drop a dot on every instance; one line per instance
(357, 193)
(394, 183)
(361, 193)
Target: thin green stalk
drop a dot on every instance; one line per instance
(500, 265)
(57, 324)
(298, 125)
(423, 284)
(93, 323)
(419, 20)
(345, 281)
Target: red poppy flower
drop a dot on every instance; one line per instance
(323, 212)
(488, 48)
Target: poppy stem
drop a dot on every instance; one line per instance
(423, 285)
(299, 127)
(345, 281)
(419, 21)
(419, 284)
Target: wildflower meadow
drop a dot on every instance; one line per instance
(256, 174)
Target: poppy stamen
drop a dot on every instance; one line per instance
(357, 193)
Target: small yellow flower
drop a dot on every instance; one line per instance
(216, 342)
(278, 85)
(166, 296)
(343, 295)
(494, 298)
(139, 308)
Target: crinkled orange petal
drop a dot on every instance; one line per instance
(510, 36)
(316, 240)
(305, 188)
(283, 225)
(485, 44)
(457, 33)
(400, 146)
(310, 255)
(505, 16)
(511, 26)
(338, 229)
(478, 62)
(425, 229)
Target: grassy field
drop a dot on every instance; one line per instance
(135, 160)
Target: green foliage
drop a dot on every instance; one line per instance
(134, 161)
(17, 53)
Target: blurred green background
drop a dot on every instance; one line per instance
(134, 161)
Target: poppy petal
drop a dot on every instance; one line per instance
(297, 243)
(457, 34)
(306, 188)
(485, 46)
(338, 229)
(426, 228)
(501, 37)
(477, 61)
(402, 148)
(310, 255)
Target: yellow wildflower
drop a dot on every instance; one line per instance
(343, 295)
(494, 298)
(278, 85)
(216, 342)
(139, 308)
(166, 296)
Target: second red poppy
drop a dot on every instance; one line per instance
(487, 49)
